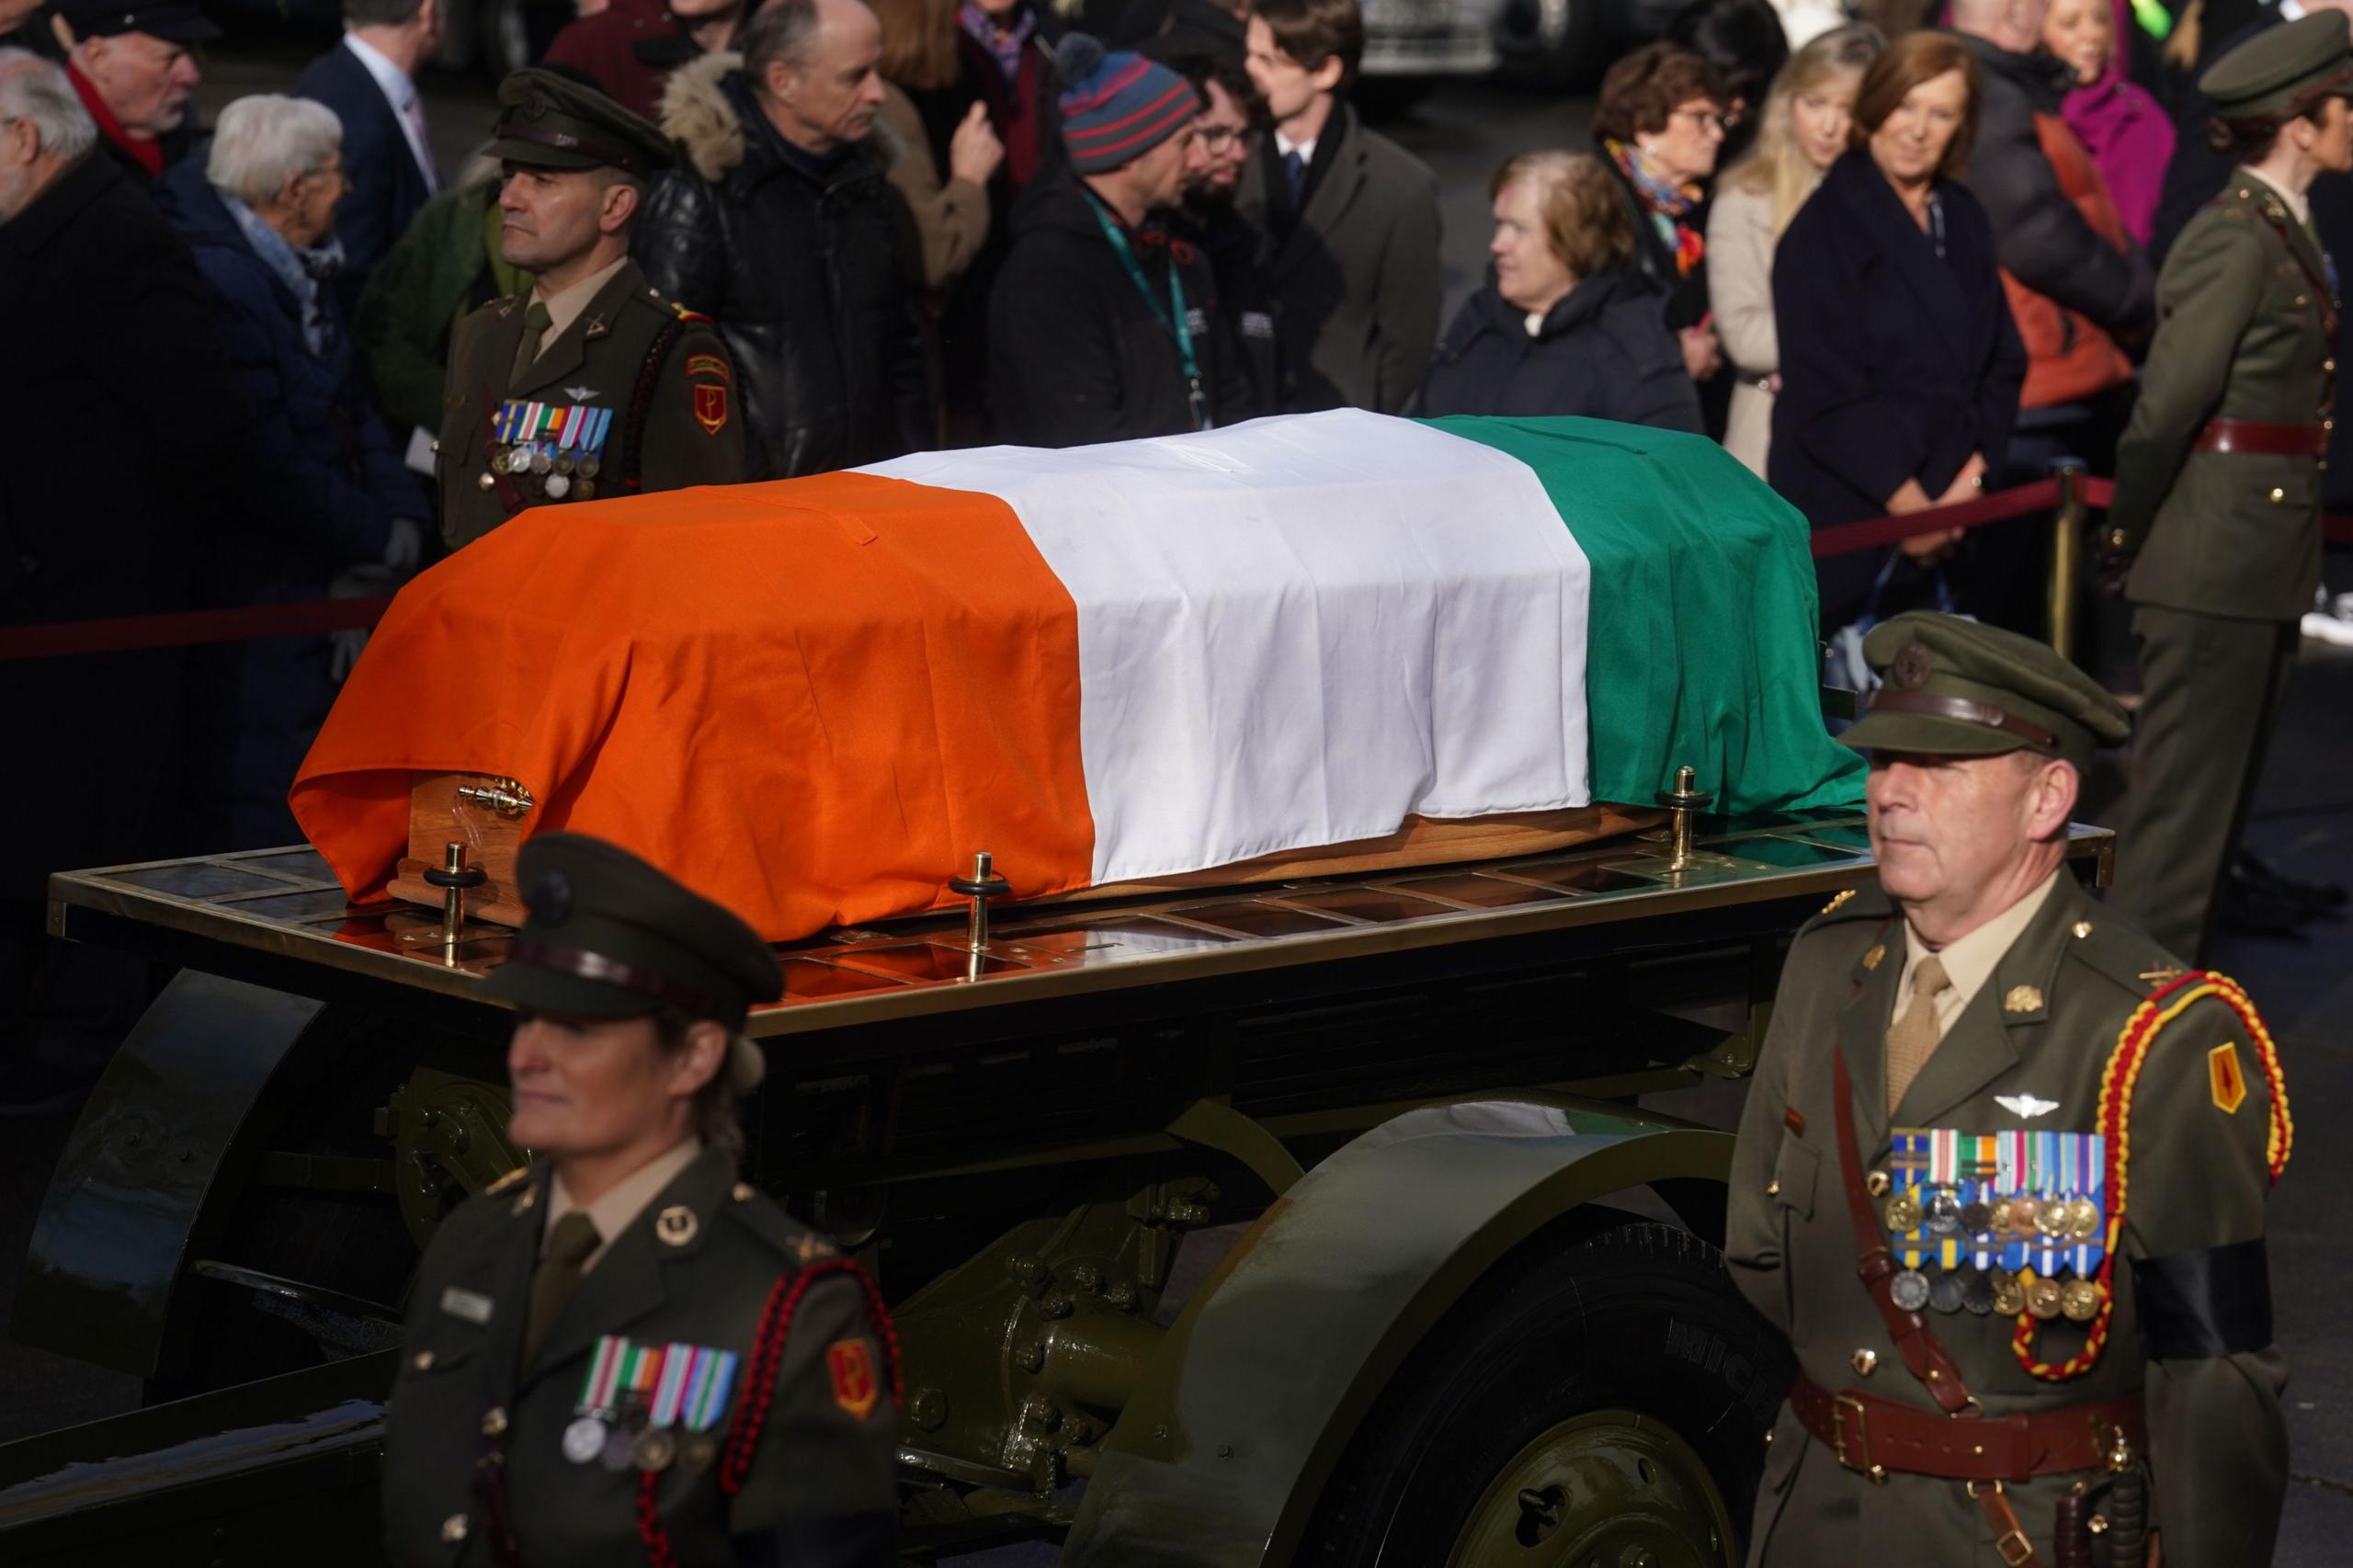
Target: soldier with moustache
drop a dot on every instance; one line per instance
(624, 1354)
(2214, 532)
(2001, 1174)
(594, 384)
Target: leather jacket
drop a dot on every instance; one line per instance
(802, 263)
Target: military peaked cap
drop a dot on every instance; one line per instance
(1962, 688)
(612, 937)
(547, 120)
(2268, 72)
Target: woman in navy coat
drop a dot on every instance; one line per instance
(1900, 365)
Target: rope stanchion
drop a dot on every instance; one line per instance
(130, 633)
(1844, 539)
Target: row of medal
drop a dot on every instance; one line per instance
(1996, 1222)
(557, 443)
(643, 1407)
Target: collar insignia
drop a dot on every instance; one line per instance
(2022, 999)
(676, 1225)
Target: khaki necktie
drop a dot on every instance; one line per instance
(1913, 1037)
(536, 322)
(570, 1242)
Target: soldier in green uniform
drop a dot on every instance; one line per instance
(621, 1354)
(595, 385)
(2001, 1173)
(2215, 526)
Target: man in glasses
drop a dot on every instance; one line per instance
(1232, 130)
(1350, 219)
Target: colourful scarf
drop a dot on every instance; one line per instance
(1005, 47)
(1670, 203)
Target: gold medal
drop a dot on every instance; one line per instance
(2053, 1218)
(2044, 1298)
(2022, 1210)
(1903, 1212)
(2083, 1220)
(654, 1449)
(585, 489)
(2009, 1296)
(2004, 1217)
(2080, 1300)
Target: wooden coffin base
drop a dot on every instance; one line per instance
(437, 816)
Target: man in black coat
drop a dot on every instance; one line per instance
(368, 80)
(119, 434)
(1102, 327)
(784, 232)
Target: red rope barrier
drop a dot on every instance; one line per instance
(1844, 539)
(129, 633)
(123, 634)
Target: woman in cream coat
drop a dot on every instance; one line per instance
(1805, 130)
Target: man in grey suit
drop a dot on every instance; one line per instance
(1350, 219)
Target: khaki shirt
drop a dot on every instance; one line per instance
(1969, 960)
(619, 1209)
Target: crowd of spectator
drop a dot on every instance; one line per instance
(1889, 261)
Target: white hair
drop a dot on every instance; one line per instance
(261, 141)
(33, 89)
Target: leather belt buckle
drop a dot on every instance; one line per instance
(1856, 1456)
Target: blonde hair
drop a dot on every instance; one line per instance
(1777, 166)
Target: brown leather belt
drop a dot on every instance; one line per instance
(1879, 1436)
(2263, 437)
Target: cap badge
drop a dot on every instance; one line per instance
(536, 107)
(550, 897)
(676, 1225)
(1912, 668)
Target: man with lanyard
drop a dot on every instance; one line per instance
(2001, 1174)
(1101, 326)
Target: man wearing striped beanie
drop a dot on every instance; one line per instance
(1102, 327)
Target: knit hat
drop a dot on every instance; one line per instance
(1117, 106)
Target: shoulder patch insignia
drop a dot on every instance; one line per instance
(710, 376)
(1838, 901)
(2226, 1078)
(850, 1365)
(509, 1180)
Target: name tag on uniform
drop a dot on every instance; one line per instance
(470, 1305)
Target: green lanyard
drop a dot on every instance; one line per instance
(1173, 320)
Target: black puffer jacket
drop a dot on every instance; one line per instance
(803, 272)
(2039, 236)
(1602, 352)
(1076, 355)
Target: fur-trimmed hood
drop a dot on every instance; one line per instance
(704, 118)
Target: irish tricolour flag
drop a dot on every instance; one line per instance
(814, 699)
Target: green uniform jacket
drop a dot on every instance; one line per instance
(696, 1268)
(445, 266)
(632, 354)
(2246, 328)
(2044, 1026)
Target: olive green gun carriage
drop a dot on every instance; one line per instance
(1315, 1222)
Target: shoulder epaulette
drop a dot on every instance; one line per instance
(1852, 904)
(509, 1180)
(687, 315)
(790, 1239)
(2111, 948)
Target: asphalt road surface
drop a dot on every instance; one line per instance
(2303, 821)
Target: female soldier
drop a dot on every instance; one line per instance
(2216, 515)
(621, 1354)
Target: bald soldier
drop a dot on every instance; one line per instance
(2001, 1174)
(622, 1354)
(594, 384)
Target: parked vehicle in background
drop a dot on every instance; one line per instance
(1410, 45)
(1566, 43)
